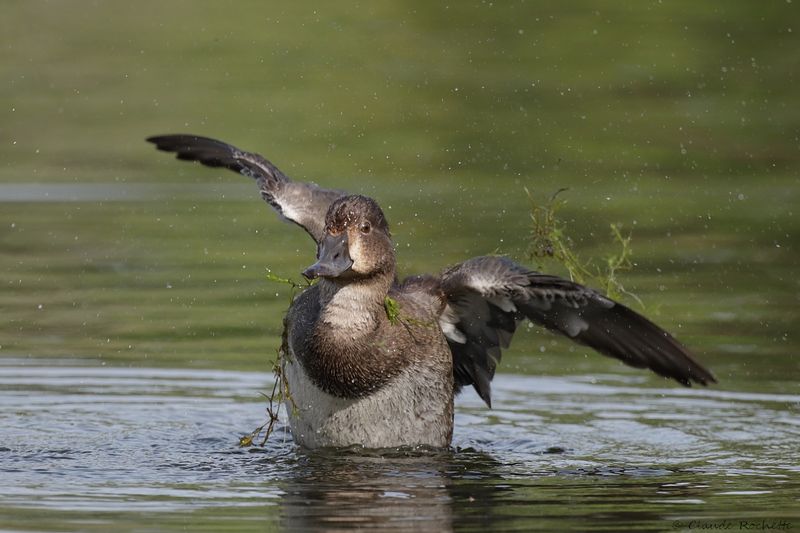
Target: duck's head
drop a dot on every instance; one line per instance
(356, 244)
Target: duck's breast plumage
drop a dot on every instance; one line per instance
(413, 406)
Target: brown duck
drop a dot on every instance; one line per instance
(361, 376)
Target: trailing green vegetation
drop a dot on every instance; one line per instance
(280, 394)
(549, 242)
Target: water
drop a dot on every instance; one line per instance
(137, 324)
(87, 446)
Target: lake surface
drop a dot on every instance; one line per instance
(138, 326)
(92, 447)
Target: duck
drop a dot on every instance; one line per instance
(375, 362)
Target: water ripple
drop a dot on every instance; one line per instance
(95, 438)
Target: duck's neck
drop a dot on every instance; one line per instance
(355, 307)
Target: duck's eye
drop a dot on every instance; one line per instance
(365, 227)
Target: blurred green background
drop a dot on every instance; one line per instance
(678, 120)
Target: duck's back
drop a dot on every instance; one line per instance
(391, 386)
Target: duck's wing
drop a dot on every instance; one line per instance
(305, 204)
(488, 296)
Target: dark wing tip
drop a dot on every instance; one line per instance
(639, 342)
(188, 147)
(696, 374)
(610, 328)
(184, 142)
(173, 142)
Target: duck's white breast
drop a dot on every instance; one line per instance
(414, 408)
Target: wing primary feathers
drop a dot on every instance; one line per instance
(305, 204)
(488, 296)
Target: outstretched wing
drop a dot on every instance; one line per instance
(488, 296)
(305, 204)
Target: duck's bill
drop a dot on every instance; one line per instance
(333, 258)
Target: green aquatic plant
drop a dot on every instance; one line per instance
(396, 315)
(549, 242)
(392, 310)
(286, 281)
(280, 393)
